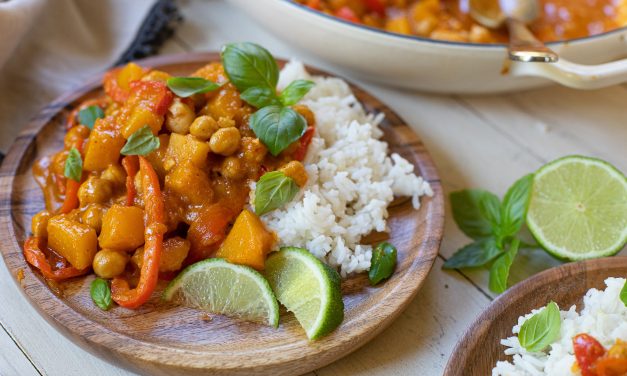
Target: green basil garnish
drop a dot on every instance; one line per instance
(274, 190)
(499, 272)
(277, 127)
(541, 329)
(101, 293)
(73, 165)
(383, 263)
(474, 255)
(468, 213)
(623, 294)
(249, 65)
(141, 142)
(260, 97)
(88, 116)
(295, 91)
(515, 205)
(187, 86)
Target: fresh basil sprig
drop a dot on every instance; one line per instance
(187, 86)
(141, 142)
(623, 294)
(493, 226)
(73, 168)
(255, 73)
(273, 190)
(101, 293)
(383, 263)
(541, 329)
(88, 116)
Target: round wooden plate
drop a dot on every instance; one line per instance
(480, 348)
(164, 339)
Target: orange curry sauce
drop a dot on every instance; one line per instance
(450, 20)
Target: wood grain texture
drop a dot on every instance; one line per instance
(479, 349)
(160, 338)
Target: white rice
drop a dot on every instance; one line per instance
(352, 180)
(604, 316)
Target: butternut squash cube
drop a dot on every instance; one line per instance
(103, 147)
(186, 148)
(175, 251)
(140, 117)
(129, 73)
(73, 240)
(248, 243)
(190, 183)
(122, 228)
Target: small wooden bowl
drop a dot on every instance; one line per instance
(480, 348)
(165, 339)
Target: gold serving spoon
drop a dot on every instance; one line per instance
(523, 45)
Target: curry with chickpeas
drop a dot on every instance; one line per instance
(156, 174)
(450, 19)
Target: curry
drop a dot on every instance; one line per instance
(450, 20)
(136, 216)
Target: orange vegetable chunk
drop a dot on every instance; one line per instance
(139, 118)
(122, 228)
(103, 147)
(248, 243)
(73, 240)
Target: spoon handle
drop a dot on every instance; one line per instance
(524, 46)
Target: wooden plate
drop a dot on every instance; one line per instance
(161, 339)
(480, 348)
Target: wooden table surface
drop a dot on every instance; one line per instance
(485, 142)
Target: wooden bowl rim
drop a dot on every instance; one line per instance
(159, 354)
(485, 320)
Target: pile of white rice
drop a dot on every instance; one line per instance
(604, 317)
(352, 180)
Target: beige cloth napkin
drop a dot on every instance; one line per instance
(68, 41)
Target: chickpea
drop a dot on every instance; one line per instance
(94, 190)
(296, 171)
(305, 112)
(92, 216)
(39, 225)
(74, 136)
(226, 122)
(225, 141)
(109, 263)
(179, 117)
(253, 151)
(115, 174)
(203, 127)
(232, 168)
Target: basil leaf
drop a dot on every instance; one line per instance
(73, 165)
(541, 329)
(260, 97)
(273, 190)
(468, 214)
(490, 208)
(277, 127)
(88, 116)
(187, 86)
(474, 255)
(295, 91)
(249, 65)
(141, 142)
(499, 272)
(515, 205)
(383, 263)
(101, 294)
(623, 294)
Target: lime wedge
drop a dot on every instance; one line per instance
(578, 208)
(307, 287)
(217, 286)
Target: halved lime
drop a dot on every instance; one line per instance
(217, 286)
(307, 287)
(578, 208)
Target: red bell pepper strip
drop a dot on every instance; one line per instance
(587, 351)
(376, 6)
(208, 231)
(153, 244)
(153, 95)
(112, 87)
(347, 14)
(131, 166)
(305, 140)
(35, 256)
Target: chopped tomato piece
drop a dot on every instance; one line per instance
(587, 351)
(153, 95)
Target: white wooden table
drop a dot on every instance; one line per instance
(484, 142)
